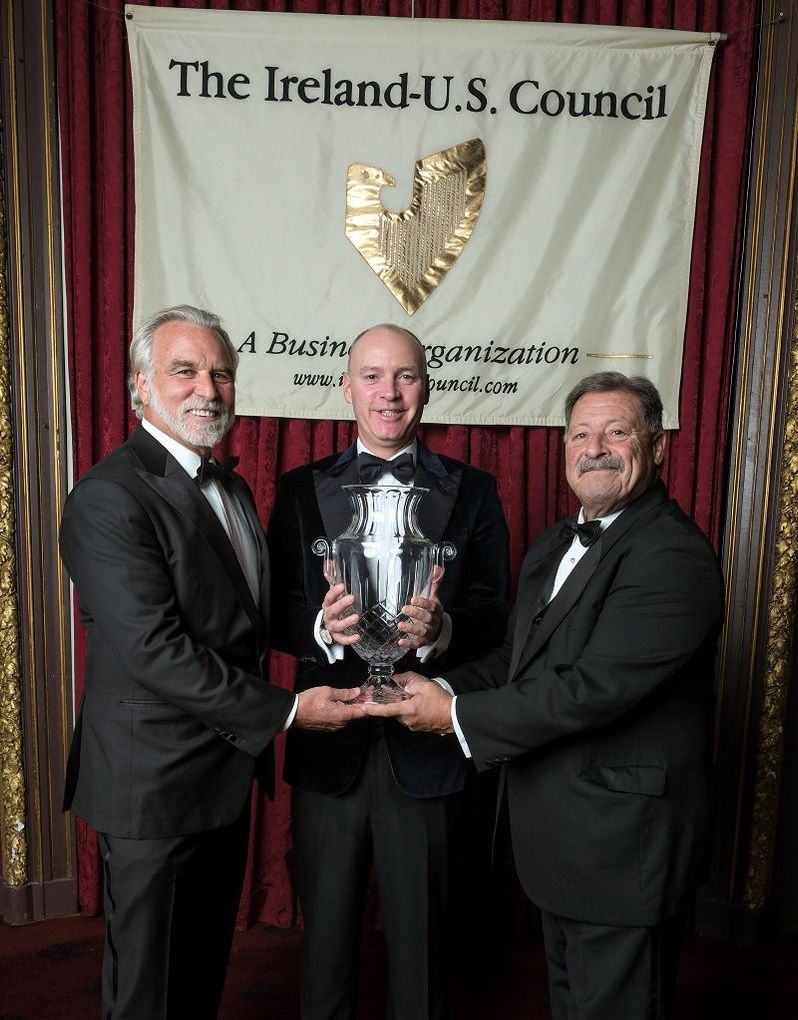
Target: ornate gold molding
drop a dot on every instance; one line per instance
(778, 653)
(13, 842)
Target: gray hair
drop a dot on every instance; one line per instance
(608, 382)
(141, 344)
(394, 329)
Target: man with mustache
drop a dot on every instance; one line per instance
(376, 793)
(598, 708)
(170, 563)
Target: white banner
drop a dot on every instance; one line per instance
(520, 196)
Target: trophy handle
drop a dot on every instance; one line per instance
(441, 551)
(444, 551)
(322, 547)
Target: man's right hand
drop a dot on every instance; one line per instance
(337, 616)
(327, 708)
(427, 710)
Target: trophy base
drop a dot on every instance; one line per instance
(386, 693)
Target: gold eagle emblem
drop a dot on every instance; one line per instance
(412, 251)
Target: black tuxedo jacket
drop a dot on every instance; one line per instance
(604, 725)
(461, 507)
(176, 711)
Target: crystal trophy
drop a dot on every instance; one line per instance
(383, 559)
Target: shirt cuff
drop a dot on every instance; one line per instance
(444, 684)
(334, 652)
(291, 714)
(439, 646)
(458, 731)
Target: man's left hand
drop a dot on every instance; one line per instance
(428, 710)
(424, 616)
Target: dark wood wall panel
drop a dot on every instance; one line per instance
(761, 531)
(36, 698)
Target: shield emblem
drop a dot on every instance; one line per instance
(412, 251)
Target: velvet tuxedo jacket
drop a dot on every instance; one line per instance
(461, 507)
(176, 712)
(604, 724)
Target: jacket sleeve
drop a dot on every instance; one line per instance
(159, 616)
(656, 624)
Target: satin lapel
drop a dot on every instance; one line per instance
(149, 451)
(528, 603)
(436, 508)
(561, 604)
(247, 503)
(575, 583)
(335, 506)
(180, 491)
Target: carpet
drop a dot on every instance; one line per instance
(51, 971)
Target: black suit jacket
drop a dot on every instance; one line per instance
(176, 710)
(604, 724)
(461, 507)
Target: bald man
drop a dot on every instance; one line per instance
(375, 793)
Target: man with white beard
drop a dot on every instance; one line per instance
(170, 563)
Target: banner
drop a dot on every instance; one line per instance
(520, 196)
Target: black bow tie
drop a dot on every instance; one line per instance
(371, 468)
(587, 531)
(210, 469)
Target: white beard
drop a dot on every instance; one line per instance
(191, 429)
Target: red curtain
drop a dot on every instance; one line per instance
(98, 202)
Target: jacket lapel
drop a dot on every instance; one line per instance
(568, 595)
(436, 508)
(530, 601)
(168, 479)
(562, 603)
(247, 504)
(335, 506)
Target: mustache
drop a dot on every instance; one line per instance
(607, 463)
(214, 406)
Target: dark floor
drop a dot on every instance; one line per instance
(50, 971)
